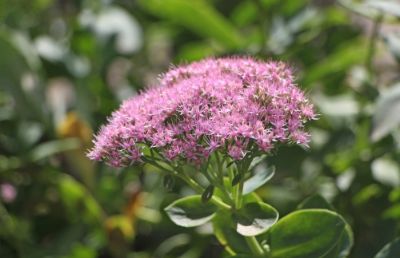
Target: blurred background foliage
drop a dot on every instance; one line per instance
(65, 65)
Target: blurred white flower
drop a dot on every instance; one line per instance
(60, 96)
(49, 49)
(114, 21)
(386, 171)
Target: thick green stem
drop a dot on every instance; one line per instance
(219, 168)
(255, 246)
(155, 164)
(239, 195)
(217, 179)
(220, 203)
(193, 184)
(252, 241)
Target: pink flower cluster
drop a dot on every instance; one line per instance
(234, 105)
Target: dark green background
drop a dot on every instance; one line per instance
(60, 78)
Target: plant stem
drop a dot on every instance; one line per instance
(239, 195)
(219, 168)
(198, 188)
(193, 184)
(155, 164)
(220, 203)
(219, 179)
(255, 246)
(251, 241)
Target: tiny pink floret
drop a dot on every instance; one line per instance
(233, 105)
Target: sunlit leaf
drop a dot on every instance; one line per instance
(260, 177)
(190, 211)
(306, 234)
(315, 201)
(198, 16)
(343, 246)
(224, 230)
(257, 161)
(255, 218)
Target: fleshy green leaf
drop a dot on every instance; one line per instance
(258, 180)
(309, 233)
(256, 161)
(343, 247)
(315, 201)
(255, 218)
(198, 16)
(224, 230)
(190, 211)
(391, 250)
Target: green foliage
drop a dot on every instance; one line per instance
(198, 16)
(225, 231)
(315, 201)
(306, 233)
(67, 57)
(191, 211)
(255, 218)
(344, 245)
(258, 179)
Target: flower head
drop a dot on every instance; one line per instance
(233, 105)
